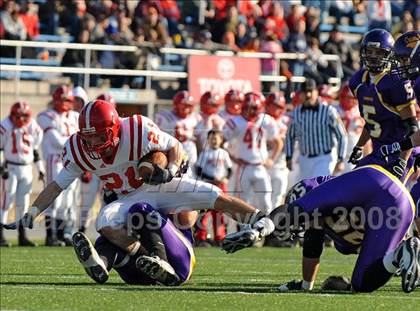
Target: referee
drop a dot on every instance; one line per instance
(318, 128)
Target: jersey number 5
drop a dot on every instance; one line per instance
(370, 110)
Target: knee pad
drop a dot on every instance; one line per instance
(313, 243)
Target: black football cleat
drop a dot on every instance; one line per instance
(5, 243)
(292, 285)
(410, 264)
(23, 241)
(89, 258)
(158, 269)
(53, 242)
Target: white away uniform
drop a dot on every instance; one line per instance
(279, 173)
(57, 129)
(182, 129)
(139, 136)
(250, 143)
(18, 145)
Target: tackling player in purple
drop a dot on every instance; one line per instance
(407, 55)
(161, 243)
(386, 102)
(366, 211)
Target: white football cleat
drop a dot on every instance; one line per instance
(410, 264)
(89, 258)
(158, 269)
(238, 240)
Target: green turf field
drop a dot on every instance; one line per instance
(51, 279)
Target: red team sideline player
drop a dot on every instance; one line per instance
(20, 138)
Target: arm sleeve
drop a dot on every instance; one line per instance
(339, 131)
(155, 139)
(290, 139)
(67, 175)
(272, 128)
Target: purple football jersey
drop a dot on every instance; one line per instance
(380, 102)
(416, 87)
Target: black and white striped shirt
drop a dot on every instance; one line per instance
(315, 129)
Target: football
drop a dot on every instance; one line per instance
(146, 163)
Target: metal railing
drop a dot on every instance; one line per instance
(149, 74)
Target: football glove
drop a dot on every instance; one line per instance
(291, 285)
(26, 221)
(4, 173)
(387, 150)
(159, 176)
(239, 240)
(336, 283)
(356, 155)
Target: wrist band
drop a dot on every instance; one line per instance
(406, 144)
(173, 168)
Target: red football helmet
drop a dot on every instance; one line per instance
(183, 104)
(20, 113)
(252, 106)
(275, 105)
(99, 128)
(233, 102)
(108, 98)
(347, 100)
(326, 93)
(63, 99)
(210, 103)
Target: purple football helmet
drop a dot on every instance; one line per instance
(407, 55)
(376, 50)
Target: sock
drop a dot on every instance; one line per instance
(21, 233)
(108, 252)
(48, 226)
(59, 224)
(389, 262)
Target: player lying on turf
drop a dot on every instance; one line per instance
(366, 212)
(161, 243)
(110, 148)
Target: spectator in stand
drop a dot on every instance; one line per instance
(251, 11)
(170, 10)
(312, 23)
(76, 58)
(406, 24)
(295, 16)
(241, 35)
(253, 44)
(14, 28)
(151, 27)
(379, 14)
(342, 8)
(229, 41)
(315, 66)
(29, 16)
(337, 46)
(297, 44)
(276, 14)
(270, 45)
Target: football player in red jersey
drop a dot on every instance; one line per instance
(58, 123)
(20, 139)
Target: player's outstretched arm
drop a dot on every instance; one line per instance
(357, 152)
(406, 144)
(44, 199)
